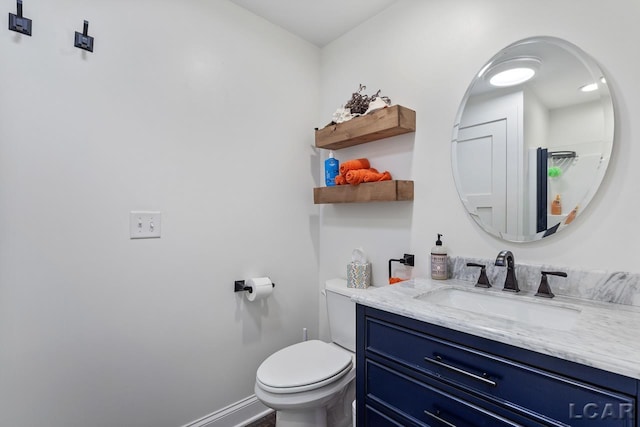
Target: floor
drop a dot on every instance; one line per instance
(268, 421)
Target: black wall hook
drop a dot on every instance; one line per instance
(19, 23)
(84, 40)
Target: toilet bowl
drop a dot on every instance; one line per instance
(311, 384)
(306, 382)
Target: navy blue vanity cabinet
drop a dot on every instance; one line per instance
(412, 373)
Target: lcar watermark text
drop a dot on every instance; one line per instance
(601, 411)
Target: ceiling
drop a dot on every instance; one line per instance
(319, 22)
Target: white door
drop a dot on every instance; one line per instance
(481, 155)
(490, 136)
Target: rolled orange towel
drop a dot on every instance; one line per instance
(340, 180)
(357, 176)
(394, 280)
(374, 177)
(353, 164)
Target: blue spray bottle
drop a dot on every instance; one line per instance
(331, 170)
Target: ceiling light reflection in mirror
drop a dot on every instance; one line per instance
(512, 72)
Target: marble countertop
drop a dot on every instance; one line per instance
(605, 335)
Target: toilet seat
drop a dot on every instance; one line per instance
(302, 367)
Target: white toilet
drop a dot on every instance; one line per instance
(312, 383)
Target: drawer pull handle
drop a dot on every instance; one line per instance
(436, 417)
(438, 361)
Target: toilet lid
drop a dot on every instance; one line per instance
(303, 366)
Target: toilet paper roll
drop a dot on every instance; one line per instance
(261, 288)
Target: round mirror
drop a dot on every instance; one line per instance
(532, 139)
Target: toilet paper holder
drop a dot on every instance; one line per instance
(239, 286)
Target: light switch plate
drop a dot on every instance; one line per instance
(144, 225)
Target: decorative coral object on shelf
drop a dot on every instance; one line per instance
(363, 119)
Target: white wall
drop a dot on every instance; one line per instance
(204, 112)
(424, 54)
(578, 124)
(536, 121)
(197, 109)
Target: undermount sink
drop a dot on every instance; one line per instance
(512, 308)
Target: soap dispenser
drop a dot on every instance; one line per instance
(439, 261)
(331, 170)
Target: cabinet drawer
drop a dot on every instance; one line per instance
(517, 386)
(374, 418)
(428, 405)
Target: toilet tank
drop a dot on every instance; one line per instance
(341, 312)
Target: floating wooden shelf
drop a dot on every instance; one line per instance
(390, 121)
(383, 191)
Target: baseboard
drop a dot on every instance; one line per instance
(237, 414)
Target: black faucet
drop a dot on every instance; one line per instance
(544, 290)
(505, 258)
(483, 280)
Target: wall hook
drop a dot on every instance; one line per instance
(19, 23)
(84, 40)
